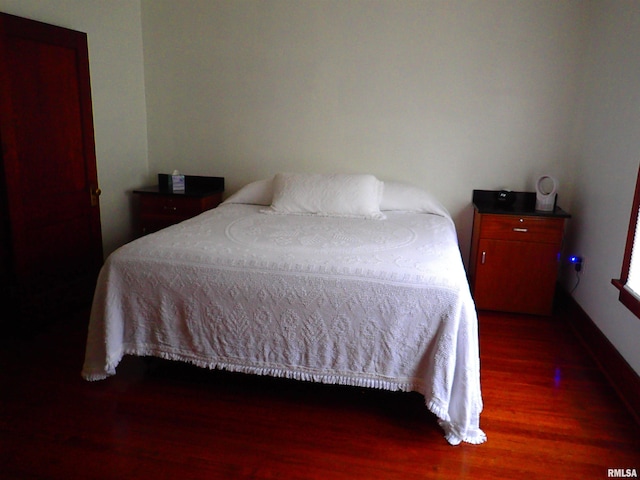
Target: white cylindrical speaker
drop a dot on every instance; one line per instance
(546, 194)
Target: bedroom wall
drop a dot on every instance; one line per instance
(608, 159)
(448, 95)
(117, 87)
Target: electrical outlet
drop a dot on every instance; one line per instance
(577, 262)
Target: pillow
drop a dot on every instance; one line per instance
(336, 195)
(254, 193)
(407, 198)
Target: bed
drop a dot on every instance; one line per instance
(340, 279)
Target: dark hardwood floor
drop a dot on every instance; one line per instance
(549, 413)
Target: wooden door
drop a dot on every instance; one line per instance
(48, 155)
(516, 276)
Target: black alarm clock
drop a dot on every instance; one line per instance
(505, 198)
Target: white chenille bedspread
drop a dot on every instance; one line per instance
(371, 303)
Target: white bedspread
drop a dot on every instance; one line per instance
(373, 303)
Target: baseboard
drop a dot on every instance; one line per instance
(619, 373)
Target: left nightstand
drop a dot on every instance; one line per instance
(159, 207)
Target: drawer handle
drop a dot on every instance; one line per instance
(524, 230)
(484, 256)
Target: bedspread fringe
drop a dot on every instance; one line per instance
(453, 435)
(349, 380)
(93, 377)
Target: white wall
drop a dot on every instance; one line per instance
(449, 95)
(117, 86)
(609, 155)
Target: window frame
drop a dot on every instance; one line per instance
(627, 297)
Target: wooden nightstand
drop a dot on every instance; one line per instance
(515, 254)
(159, 207)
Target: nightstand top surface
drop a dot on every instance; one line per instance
(194, 187)
(485, 201)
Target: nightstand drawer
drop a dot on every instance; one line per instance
(523, 228)
(160, 208)
(174, 206)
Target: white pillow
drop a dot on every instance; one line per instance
(255, 193)
(407, 198)
(338, 195)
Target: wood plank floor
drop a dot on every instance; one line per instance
(549, 413)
